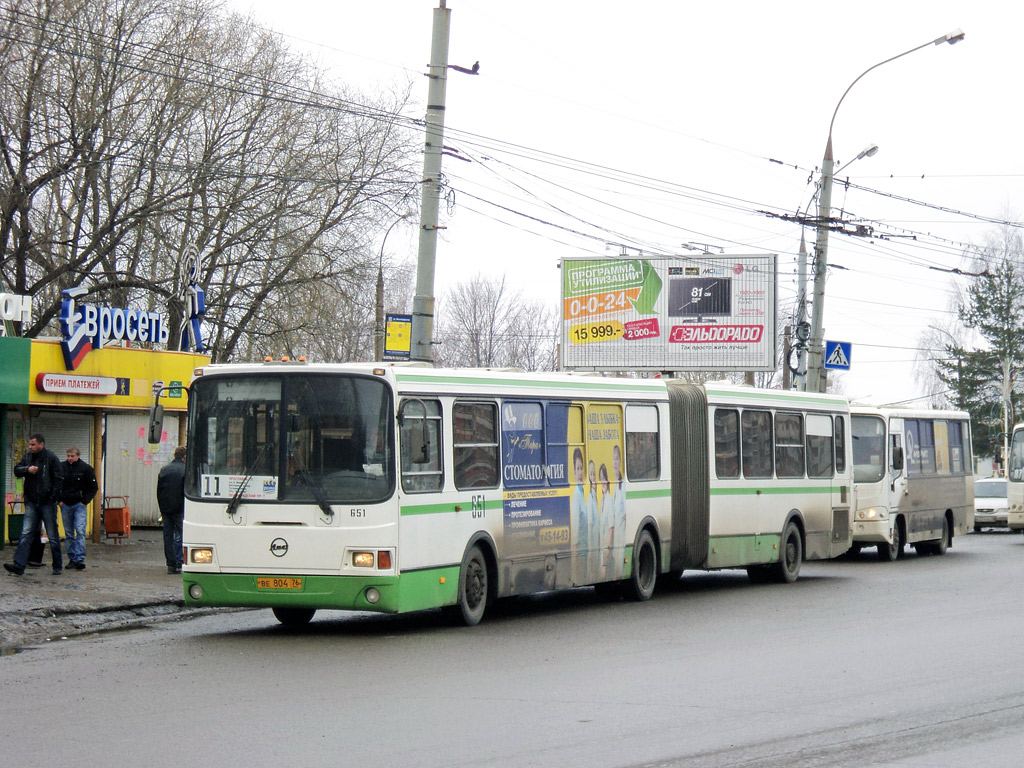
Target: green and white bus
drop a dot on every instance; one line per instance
(913, 478)
(397, 488)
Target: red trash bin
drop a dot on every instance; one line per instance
(117, 523)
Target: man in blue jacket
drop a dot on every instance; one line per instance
(79, 488)
(43, 481)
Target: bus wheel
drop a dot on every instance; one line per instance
(473, 587)
(294, 617)
(888, 553)
(791, 557)
(644, 574)
(940, 546)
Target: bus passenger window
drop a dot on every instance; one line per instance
(840, 437)
(475, 431)
(756, 442)
(727, 443)
(643, 457)
(789, 445)
(820, 448)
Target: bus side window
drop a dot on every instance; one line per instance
(757, 443)
(727, 443)
(643, 444)
(789, 445)
(420, 435)
(840, 438)
(475, 432)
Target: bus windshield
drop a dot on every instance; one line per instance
(868, 448)
(291, 437)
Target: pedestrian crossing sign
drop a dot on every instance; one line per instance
(837, 355)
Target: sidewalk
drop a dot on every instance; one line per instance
(123, 585)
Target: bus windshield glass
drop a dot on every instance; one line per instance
(868, 448)
(301, 438)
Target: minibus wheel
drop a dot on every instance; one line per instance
(792, 555)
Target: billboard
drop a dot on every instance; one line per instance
(675, 313)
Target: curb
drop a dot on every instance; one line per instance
(27, 628)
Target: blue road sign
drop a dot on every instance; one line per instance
(837, 355)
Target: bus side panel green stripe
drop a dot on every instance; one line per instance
(733, 551)
(438, 509)
(654, 493)
(430, 588)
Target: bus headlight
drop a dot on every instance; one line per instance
(873, 513)
(195, 591)
(202, 555)
(362, 559)
(372, 595)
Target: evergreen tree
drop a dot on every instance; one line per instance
(993, 307)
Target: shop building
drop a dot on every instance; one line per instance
(97, 399)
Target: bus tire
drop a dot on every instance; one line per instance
(473, 587)
(294, 617)
(644, 574)
(791, 556)
(940, 546)
(889, 553)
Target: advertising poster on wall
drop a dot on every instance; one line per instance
(678, 313)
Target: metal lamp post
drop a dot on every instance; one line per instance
(378, 325)
(816, 352)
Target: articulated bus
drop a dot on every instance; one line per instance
(913, 478)
(1015, 481)
(397, 488)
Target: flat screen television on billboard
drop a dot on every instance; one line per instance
(700, 297)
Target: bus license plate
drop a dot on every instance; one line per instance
(278, 582)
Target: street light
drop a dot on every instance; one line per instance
(816, 357)
(378, 327)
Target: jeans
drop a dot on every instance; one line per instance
(172, 538)
(33, 513)
(74, 530)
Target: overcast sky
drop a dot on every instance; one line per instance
(595, 124)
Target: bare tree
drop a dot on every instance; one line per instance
(481, 323)
(135, 130)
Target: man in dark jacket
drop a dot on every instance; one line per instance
(43, 481)
(170, 495)
(79, 488)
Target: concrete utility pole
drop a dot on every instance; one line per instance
(816, 358)
(430, 194)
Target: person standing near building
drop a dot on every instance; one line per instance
(43, 480)
(170, 495)
(79, 488)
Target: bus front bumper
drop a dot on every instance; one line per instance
(872, 531)
(383, 594)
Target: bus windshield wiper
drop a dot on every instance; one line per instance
(249, 472)
(317, 490)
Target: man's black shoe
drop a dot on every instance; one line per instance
(79, 565)
(172, 570)
(13, 569)
(58, 571)
(35, 565)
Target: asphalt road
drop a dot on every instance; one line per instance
(859, 663)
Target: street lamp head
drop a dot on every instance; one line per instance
(952, 38)
(869, 151)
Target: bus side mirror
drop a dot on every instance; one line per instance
(156, 423)
(897, 457)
